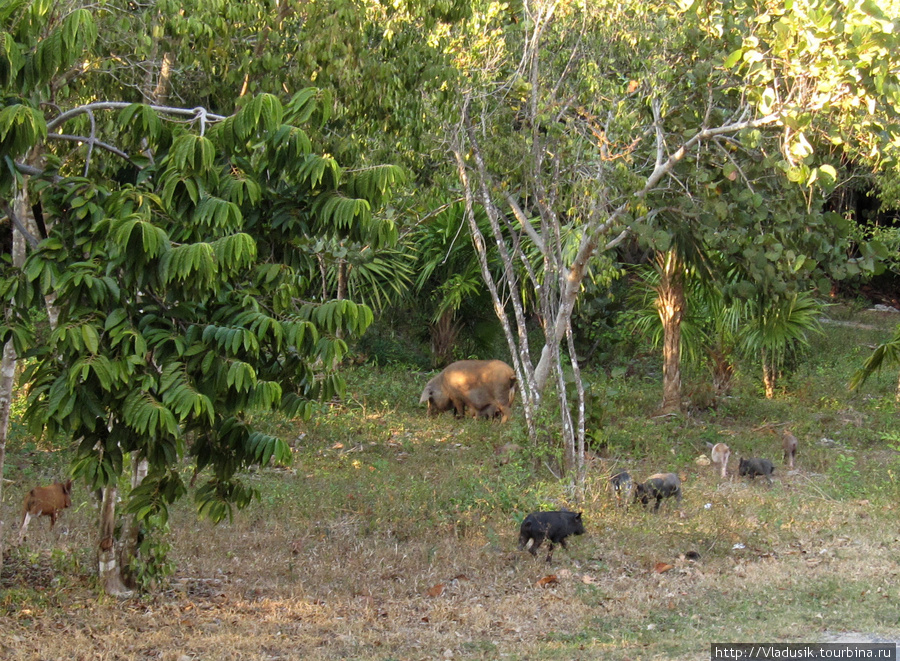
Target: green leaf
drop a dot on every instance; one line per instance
(91, 338)
(733, 58)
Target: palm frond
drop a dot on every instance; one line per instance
(887, 354)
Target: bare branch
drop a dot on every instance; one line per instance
(90, 141)
(196, 114)
(660, 137)
(523, 221)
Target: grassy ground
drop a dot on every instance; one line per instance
(393, 536)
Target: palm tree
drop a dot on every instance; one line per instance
(774, 326)
(684, 264)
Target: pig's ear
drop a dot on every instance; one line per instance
(578, 516)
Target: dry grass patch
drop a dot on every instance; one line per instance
(779, 563)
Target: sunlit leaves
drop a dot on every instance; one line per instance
(814, 54)
(232, 340)
(307, 103)
(342, 212)
(332, 315)
(194, 262)
(147, 415)
(259, 116)
(59, 48)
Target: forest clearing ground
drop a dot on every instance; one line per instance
(393, 536)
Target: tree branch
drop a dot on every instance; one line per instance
(197, 113)
(32, 240)
(90, 141)
(589, 240)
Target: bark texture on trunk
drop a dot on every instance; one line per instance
(21, 208)
(769, 374)
(670, 306)
(7, 376)
(722, 369)
(128, 548)
(110, 572)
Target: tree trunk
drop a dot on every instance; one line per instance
(670, 306)
(7, 376)
(110, 572)
(443, 338)
(21, 209)
(577, 437)
(769, 374)
(722, 369)
(128, 547)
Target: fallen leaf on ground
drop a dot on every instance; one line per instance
(436, 591)
(662, 567)
(548, 580)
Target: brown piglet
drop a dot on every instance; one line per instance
(45, 501)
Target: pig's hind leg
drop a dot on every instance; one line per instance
(550, 551)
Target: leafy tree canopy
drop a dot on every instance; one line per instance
(177, 258)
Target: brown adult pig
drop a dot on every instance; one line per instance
(485, 387)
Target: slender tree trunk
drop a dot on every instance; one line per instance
(7, 376)
(577, 439)
(128, 547)
(21, 208)
(110, 573)
(670, 306)
(769, 375)
(518, 349)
